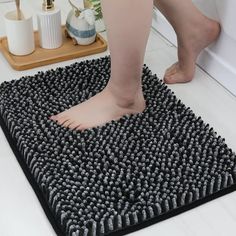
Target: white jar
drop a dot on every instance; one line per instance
(20, 34)
(49, 27)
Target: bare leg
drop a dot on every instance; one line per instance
(194, 32)
(128, 25)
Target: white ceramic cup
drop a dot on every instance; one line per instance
(20, 33)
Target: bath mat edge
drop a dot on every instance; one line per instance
(31, 179)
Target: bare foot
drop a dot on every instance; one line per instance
(189, 46)
(99, 109)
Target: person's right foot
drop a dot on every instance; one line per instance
(99, 109)
(197, 37)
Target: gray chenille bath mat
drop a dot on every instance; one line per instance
(119, 177)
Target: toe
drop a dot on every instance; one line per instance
(53, 117)
(172, 79)
(74, 125)
(81, 127)
(168, 79)
(178, 78)
(67, 123)
(62, 120)
(60, 115)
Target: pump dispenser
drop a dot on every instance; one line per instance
(49, 25)
(48, 5)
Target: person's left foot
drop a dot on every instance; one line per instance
(196, 38)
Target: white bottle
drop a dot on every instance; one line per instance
(49, 26)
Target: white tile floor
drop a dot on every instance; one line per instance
(20, 211)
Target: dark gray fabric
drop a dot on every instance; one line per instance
(123, 173)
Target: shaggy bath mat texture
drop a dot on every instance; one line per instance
(119, 177)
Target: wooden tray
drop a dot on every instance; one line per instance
(41, 57)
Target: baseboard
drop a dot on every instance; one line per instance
(218, 69)
(209, 61)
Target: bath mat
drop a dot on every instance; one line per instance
(119, 177)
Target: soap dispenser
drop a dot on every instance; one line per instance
(49, 25)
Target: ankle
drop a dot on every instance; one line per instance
(125, 97)
(204, 32)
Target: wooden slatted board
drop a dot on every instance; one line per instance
(41, 57)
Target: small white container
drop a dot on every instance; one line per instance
(20, 33)
(49, 26)
(81, 28)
